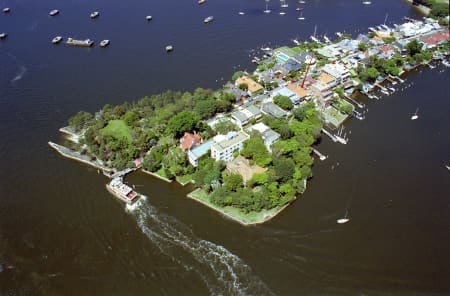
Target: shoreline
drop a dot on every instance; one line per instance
(266, 216)
(157, 176)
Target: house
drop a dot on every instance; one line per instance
(331, 51)
(348, 45)
(327, 79)
(238, 93)
(362, 38)
(339, 72)
(292, 65)
(273, 110)
(243, 116)
(188, 141)
(225, 145)
(285, 91)
(268, 135)
(298, 90)
(322, 93)
(195, 154)
(387, 52)
(253, 87)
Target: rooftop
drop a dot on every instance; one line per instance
(201, 150)
(252, 85)
(229, 140)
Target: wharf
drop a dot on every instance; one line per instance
(72, 135)
(321, 156)
(353, 101)
(72, 154)
(332, 137)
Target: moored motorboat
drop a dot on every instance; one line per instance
(241, 13)
(104, 43)
(149, 17)
(169, 48)
(201, 1)
(94, 14)
(342, 221)
(57, 39)
(53, 12)
(83, 43)
(415, 116)
(3, 35)
(6, 10)
(208, 19)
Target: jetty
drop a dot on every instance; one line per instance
(320, 155)
(332, 137)
(353, 101)
(72, 154)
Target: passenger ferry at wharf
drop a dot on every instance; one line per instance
(122, 191)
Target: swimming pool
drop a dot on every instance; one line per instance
(282, 56)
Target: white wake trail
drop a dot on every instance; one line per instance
(223, 272)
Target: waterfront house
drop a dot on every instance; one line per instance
(387, 52)
(327, 79)
(297, 88)
(322, 92)
(238, 93)
(245, 115)
(225, 145)
(292, 65)
(362, 39)
(195, 154)
(305, 57)
(338, 71)
(268, 135)
(253, 87)
(188, 141)
(273, 110)
(331, 51)
(285, 91)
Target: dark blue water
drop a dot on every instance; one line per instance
(61, 233)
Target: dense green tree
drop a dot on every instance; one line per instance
(255, 149)
(237, 74)
(184, 121)
(131, 118)
(225, 126)
(372, 73)
(232, 182)
(283, 102)
(362, 46)
(80, 120)
(283, 168)
(413, 47)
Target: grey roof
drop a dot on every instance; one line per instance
(241, 116)
(292, 65)
(362, 38)
(232, 138)
(270, 136)
(301, 57)
(255, 111)
(274, 110)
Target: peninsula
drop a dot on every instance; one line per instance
(248, 146)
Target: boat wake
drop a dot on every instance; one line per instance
(223, 272)
(19, 75)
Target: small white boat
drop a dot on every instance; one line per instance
(57, 40)
(415, 116)
(3, 35)
(266, 48)
(53, 12)
(448, 167)
(282, 13)
(208, 19)
(104, 43)
(6, 10)
(301, 2)
(301, 17)
(201, 1)
(296, 42)
(267, 10)
(343, 220)
(284, 4)
(169, 48)
(366, 2)
(241, 13)
(149, 17)
(94, 14)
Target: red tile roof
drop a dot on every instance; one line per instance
(190, 140)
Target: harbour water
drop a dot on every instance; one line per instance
(62, 233)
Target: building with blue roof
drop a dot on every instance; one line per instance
(195, 154)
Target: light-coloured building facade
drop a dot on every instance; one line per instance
(225, 145)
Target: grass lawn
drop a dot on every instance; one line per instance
(117, 128)
(235, 213)
(184, 179)
(333, 116)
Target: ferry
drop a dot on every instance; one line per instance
(208, 19)
(83, 43)
(94, 14)
(104, 43)
(57, 40)
(122, 191)
(53, 12)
